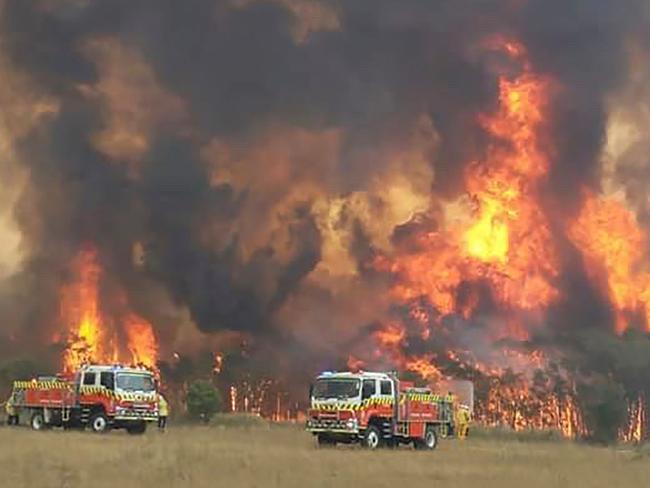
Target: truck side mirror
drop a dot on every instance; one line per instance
(311, 390)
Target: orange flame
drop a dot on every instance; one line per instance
(511, 234)
(612, 245)
(635, 430)
(355, 364)
(141, 341)
(80, 312)
(217, 365)
(508, 243)
(520, 408)
(92, 338)
(424, 367)
(391, 335)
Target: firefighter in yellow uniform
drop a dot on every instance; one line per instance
(463, 417)
(10, 410)
(448, 413)
(163, 413)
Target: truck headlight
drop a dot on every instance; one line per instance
(351, 424)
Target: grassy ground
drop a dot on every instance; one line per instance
(260, 456)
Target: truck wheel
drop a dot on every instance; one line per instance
(137, 429)
(38, 421)
(325, 441)
(372, 437)
(99, 423)
(430, 440)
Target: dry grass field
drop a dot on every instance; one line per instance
(287, 457)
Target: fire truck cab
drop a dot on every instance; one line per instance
(101, 397)
(376, 409)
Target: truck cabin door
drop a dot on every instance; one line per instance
(369, 389)
(107, 380)
(89, 378)
(386, 390)
(387, 395)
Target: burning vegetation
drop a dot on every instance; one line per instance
(93, 336)
(454, 192)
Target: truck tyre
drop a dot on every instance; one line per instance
(99, 423)
(137, 429)
(37, 421)
(430, 441)
(325, 441)
(372, 437)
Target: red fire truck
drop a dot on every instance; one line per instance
(100, 397)
(376, 409)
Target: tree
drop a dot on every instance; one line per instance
(604, 408)
(203, 400)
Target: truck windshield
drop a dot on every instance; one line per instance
(336, 388)
(135, 382)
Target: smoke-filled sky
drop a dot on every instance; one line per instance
(239, 164)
